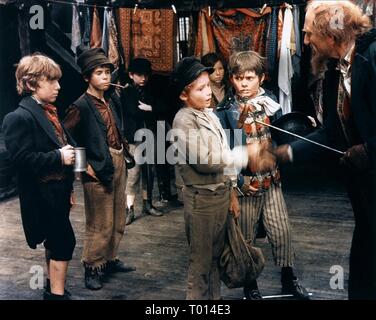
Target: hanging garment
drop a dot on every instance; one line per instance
(272, 40)
(298, 49)
(24, 32)
(296, 18)
(76, 30)
(149, 34)
(125, 25)
(106, 28)
(85, 26)
(113, 45)
(280, 29)
(238, 30)
(285, 71)
(205, 42)
(96, 31)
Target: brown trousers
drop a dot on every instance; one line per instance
(105, 215)
(205, 214)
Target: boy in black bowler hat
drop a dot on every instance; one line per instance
(92, 120)
(208, 169)
(141, 111)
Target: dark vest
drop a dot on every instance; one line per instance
(91, 133)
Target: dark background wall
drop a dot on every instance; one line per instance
(9, 55)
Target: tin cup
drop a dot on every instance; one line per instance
(80, 164)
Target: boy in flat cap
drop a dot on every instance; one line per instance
(208, 169)
(43, 155)
(92, 120)
(141, 110)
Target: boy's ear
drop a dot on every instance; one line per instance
(130, 75)
(31, 88)
(262, 78)
(231, 79)
(331, 41)
(183, 96)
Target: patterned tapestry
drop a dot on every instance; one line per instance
(149, 34)
(233, 30)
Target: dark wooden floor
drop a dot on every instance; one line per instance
(322, 224)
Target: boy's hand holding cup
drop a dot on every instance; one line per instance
(67, 155)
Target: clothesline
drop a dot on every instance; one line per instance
(81, 4)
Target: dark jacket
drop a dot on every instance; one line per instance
(91, 133)
(135, 118)
(363, 104)
(33, 148)
(361, 184)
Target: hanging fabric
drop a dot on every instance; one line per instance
(76, 30)
(149, 34)
(105, 29)
(296, 17)
(205, 42)
(96, 31)
(272, 41)
(85, 11)
(24, 32)
(125, 26)
(113, 45)
(237, 30)
(298, 49)
(280, 28)
(285, 71)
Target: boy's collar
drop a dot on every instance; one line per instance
(95, 97)
(37, 100)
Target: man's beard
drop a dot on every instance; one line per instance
(318, 62)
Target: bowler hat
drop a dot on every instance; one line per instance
(92, 58)
(186, 71)
(140, 65)
(294, 122)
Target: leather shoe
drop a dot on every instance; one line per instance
(149, 209)
(295, 288)
(252, 294)
(118, 266)
(47, 287)
(92, 279)
(47, 295)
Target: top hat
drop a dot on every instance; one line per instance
(92, 58)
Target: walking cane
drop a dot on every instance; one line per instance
(300, 137)
(279, 296)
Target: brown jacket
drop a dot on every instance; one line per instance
(203, 149)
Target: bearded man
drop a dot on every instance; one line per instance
(344, 48)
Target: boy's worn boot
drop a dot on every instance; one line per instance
(149, 209)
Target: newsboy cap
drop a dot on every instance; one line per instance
(92, 58)
(186, 71)
(140, 65)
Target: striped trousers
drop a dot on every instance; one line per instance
(272, 206)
